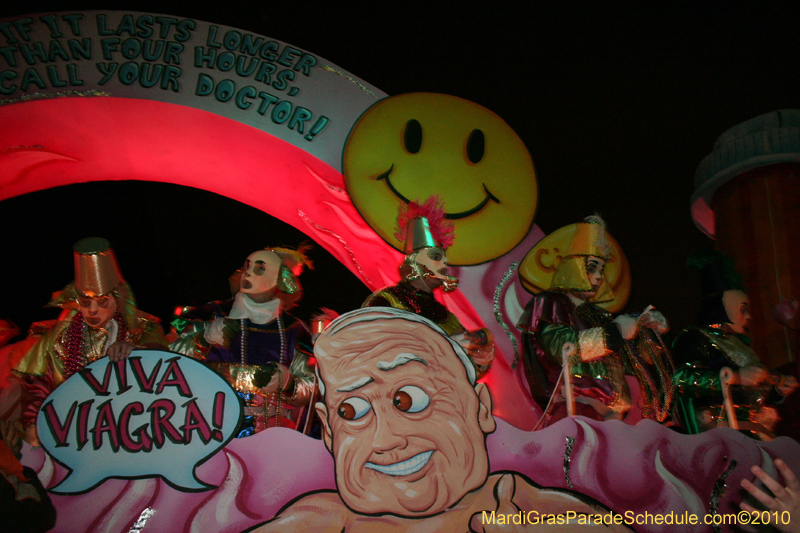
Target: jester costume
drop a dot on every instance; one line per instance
(597, 367)
(703, 350)
(54, 352)
(602, 357)
(426, 235)
(404, 296)
(240, 338)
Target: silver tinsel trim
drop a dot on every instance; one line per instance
(718, 491)
(498, 315)
(568, 459)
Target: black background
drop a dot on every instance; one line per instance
(617, 103)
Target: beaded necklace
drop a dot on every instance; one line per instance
(275, 398)
(423, 303)
(76, 339)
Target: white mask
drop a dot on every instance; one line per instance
(260, 274)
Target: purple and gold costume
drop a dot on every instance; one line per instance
(552, 319)
(247, 346)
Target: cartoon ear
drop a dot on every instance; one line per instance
(327, 434)
(485, 417)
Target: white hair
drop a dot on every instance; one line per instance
(370, 314)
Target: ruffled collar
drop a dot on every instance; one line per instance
(245, 307)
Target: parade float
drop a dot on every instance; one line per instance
(110, 96)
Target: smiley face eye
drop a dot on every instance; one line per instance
(411, 399)
(476, 144)
(353, 408)
(412, 136)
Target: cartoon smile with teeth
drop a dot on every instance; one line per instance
(412, 146)
(406, 424)
(401, 419)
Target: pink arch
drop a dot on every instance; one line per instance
(62, 141)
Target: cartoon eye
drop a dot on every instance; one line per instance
(412, 137)
(475, 146)
(411, 399)
(259, 269)
(353, 408)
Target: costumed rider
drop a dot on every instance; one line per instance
(426, 235)
(718, 341)
(100, 319)
(600, 349)
(253, 341)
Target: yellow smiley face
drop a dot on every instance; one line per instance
(537, 268)
(409, 147)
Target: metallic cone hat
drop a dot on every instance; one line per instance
(588, 240)
(418, 235)
(96, 269)
(423, 226)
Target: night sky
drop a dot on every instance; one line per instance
(618, 104)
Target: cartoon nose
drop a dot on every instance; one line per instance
(386, 437)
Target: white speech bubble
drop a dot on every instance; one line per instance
(154, 414)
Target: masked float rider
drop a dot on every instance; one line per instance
(100, 319)
(719, 340)
(426, 235)
(252, 332)
(603, 349)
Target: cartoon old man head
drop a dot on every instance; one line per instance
(402, 415)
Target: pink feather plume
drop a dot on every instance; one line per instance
(433, 209)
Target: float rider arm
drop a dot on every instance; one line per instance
(592, 343)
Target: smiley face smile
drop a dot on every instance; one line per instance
(435, 144)
(449, 216)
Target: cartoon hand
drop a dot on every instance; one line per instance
(504, 492)
(120, 350)
(784, 499)
(280, 381)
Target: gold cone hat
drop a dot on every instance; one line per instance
(96, 269)
(589, 239)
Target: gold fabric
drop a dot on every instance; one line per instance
(733, 348)
(96, 269)
(592, 344)
(571, 276)
(47, 354)
(588, 239)
(240, 377)
(451, 326)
